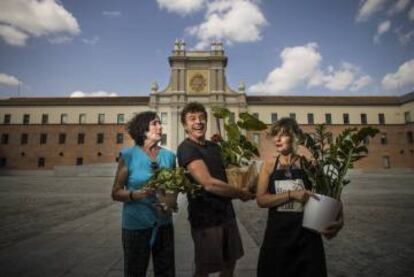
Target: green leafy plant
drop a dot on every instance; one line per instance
(236, 149)
(332, 158)
(172, 180)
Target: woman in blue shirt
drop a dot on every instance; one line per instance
(144, 230)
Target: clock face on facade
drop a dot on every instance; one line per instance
(198, 82)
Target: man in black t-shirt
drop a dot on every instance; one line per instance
(214, 229)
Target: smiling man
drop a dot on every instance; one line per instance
(216, 237)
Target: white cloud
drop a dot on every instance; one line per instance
(9, 80)
(91, 41)
(13, 36)
(398, 7)
(301, 65)
(382, 28)
(404, 37)
(400, 79)
(112, 13)
(24, 18)
(99, 93)
(182, 7)
(339, 80)
(368, 8)
(60, 40)
(411, 14)
(361, 83)
(231, 21)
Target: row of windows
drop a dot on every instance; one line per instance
(120, 118)
(164, 118)
(328, 118)
(24, 138)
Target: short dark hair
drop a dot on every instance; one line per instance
(192, 107)
(288, 126)
(139, 125)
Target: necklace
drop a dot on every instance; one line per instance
(287, 167)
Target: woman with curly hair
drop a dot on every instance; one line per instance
(144, 230)
(288, 249)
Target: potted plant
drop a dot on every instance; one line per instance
(236, 150)
(327, 170)
(167, 183)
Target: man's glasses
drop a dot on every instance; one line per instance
(154, 166)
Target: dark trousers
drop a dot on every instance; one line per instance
(137, 249)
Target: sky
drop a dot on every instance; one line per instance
(73, 48)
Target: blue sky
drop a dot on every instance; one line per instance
(277, 47)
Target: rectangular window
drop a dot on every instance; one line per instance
(82, 118)
(328, 118)
(273, 118)
(24, 139)
(81, 138)
(232, 117)
(45, 118)
(292, 115)
(164, 118)
(43, 138)
(346, 118)
(256, 115)
(120, 138)
(384, 139)
(410, 139)
(381, 118)
(99, 138)
(164, 139)
(5, 139)
(366, 140)
(407, 117)
(26, 118)
(62, 138)
(310, 118)
(101, 118)
(3, 162)
(364, 118)
(79, 161)
(120, 118)
(41, 162)
(64, 118)
(7, 118)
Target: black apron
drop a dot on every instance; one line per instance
(288, 249)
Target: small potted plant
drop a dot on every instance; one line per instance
(327, 170)
(237, 152)
(167, 183)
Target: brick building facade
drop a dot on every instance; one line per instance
(40, 133)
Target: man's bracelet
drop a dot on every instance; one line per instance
(130, 195)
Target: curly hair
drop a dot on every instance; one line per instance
(139, 125)
(192, 107)
(287, 126)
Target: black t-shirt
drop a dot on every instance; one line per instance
(206, 209)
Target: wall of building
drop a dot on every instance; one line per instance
(398, 148)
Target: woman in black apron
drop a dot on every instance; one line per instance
(288, 249)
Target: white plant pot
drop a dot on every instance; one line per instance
(319, 214)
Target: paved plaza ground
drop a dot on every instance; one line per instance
(69, 226)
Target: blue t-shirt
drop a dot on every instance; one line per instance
(140, 214)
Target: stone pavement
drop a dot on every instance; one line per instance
(91, 246)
